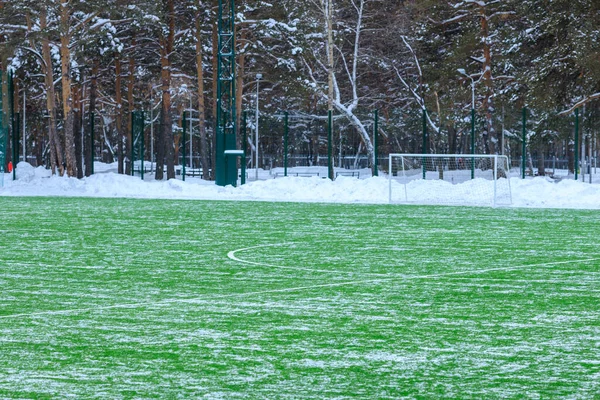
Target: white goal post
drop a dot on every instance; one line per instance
(462, 179)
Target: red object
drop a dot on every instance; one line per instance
(10, 167)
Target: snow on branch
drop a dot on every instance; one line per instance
(580, 104)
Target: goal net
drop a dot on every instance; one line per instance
(462, 179)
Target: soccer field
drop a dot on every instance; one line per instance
(114, 298)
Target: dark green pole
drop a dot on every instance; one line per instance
(92, 116)
(184, 123)
(11, 104)
(424, 140)
(576, 142)
(142, 149)
(473, 142)
(16, 129)
(286, 132)
(132, 143)
(2, 138)
(375, 144)
(244, 142)
(329, 144)
(524, 143)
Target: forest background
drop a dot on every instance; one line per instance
(72, 60)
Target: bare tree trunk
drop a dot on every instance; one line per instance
(89, 158)
(490, 139)
(204, 157)
(330, 44)
(77, 113)
(166, 49)
(541, 160)
(215, 62)
(131, 106)
(119, 117)
(56, 153)
(65, 56)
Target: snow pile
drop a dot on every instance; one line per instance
(536, 192)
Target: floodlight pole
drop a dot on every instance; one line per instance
(258, 78)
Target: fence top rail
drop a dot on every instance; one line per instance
(447, 155)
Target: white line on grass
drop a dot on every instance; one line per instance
(233, 257)
(194, 300)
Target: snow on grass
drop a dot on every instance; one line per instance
(130, 298)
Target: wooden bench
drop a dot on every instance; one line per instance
(301, 174)
(348, 173)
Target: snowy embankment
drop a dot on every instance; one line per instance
(536, 192)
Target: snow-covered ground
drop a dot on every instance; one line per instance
(531, 192)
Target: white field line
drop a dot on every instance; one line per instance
(195, 300)
(233, 257)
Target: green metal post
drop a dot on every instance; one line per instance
(375, 143)
(329, 144)
(11, 105)
(15, 147)
(142, 150)
(473, 143)
(576, 142)
(92, 117)
(285, 143)
(244, 142)
(2, 135)
(424, 141)
(132, 162)
(524, 144)
(183, 133)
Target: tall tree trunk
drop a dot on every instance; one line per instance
(119, 117)
(65, 57)
(330, 45)
(215, 65)
(131, 106)
(204, 156)
(77, 113)
(160, 147)
(490, 139)
(56, 153)
(89, 158)
(166, 48)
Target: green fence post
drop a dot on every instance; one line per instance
(15, 148)
(473, 143)
(2, 136)
(375, 144)
(142, 123)
(329, 144)
(11, 108)
(576, 142)
(132, 164)
(244, 142)
(424, 141)
(92, 116)
(285, 143)
(524, 144)
(184, 123)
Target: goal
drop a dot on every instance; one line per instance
(462, 179)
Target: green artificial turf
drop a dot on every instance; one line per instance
(114, 298)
